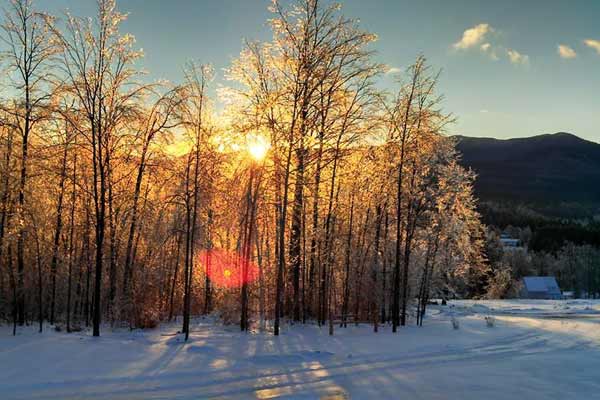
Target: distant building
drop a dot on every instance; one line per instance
(570, 295)
(509, 242)
(541, 287)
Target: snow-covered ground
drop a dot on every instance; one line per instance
(536, 350)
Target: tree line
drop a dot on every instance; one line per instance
(576, 266)
(311, 195)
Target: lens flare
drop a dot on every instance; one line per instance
(227, 269)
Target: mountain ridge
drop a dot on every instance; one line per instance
(560, 134)
(543, 171)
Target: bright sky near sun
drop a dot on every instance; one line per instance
(510, 68)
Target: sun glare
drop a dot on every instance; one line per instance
(177, 149)
(258, 147)
(225, 268)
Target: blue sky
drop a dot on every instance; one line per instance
(536, 91)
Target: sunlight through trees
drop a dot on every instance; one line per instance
(310, 195)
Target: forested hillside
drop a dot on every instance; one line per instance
(554, 175)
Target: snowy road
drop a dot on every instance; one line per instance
(529, 354)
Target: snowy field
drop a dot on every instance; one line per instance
(536, 350)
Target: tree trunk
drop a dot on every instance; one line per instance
(403, 139)
(364, 251)
(129, 259)
(174, 281)
(396, 289)
(207, 284)
(261, 278)
(296, 233)
(21, 200)
(384, 268)
(99, 168)
(188, 244)
(245, 236)
(13, 283)
(281, 242)
(374, 306)
(5, 200)
(112, 232)
(347, 272)
(71, 244)
(38, 257)
(57, 231)
(314, 234)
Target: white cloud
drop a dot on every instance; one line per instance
(393, 70)
(517, 58)
(565, 51)
(483, 38)
(594, 44)
(472, 36)
(488, 49)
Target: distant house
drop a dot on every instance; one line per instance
(540, 287)
(509, 242)
(570, 295)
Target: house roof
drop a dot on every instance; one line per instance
(541, 284)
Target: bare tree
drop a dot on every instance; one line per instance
(150, 123)
(97, 63)
(193, 114)
(27, 59)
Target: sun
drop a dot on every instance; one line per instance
(258, 147)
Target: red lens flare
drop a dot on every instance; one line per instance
(227, 269)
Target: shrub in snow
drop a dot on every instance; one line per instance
(490, 321)
(147, 319)
(502, 285)
(455, 323)
(230, 313)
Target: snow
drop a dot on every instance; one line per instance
(536, 350)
